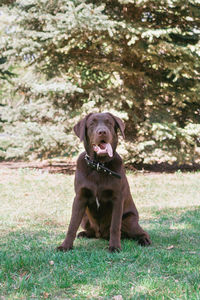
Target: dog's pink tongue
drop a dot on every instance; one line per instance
(103, 148)
(109, 150)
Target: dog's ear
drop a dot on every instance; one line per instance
(120, 124)
(80, 128)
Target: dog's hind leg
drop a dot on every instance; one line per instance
(132, 230)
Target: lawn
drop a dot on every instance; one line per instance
(34, 214)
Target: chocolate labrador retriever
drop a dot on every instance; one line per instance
(103, 203)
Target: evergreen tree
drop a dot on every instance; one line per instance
(137, 58)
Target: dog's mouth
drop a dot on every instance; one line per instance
(103, 149)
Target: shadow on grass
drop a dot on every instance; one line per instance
(31, 266)
(179, 227)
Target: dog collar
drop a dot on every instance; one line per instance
(99, 167)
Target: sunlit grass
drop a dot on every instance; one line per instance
(35, 211)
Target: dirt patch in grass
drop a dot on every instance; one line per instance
(68, 166)
(166, 167)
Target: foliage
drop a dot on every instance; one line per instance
(4, 73)
(139, 59)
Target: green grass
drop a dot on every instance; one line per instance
(35, 209)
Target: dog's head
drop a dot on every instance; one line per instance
(98, 131)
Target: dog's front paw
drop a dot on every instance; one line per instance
(144, 241)
(64, 248)
(114, 249)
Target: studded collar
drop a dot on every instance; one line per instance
(99, 167)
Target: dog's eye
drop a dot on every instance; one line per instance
(93, 122)
(108, 122)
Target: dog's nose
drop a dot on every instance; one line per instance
(101, 131)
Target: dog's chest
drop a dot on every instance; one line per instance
(101, 201)
(103, 180)
(104, 186)
(98, 189)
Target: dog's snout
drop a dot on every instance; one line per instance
(102, 131)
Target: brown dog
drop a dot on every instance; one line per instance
(103, 202)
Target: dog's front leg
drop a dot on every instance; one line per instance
(115, 228)
(78, 210)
